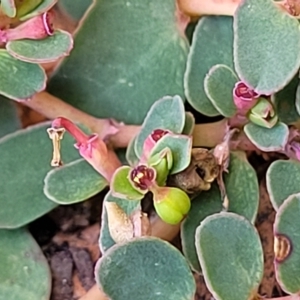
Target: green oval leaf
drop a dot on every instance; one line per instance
(124, 273)
(24, 272)
(25, 161)
(9, 120)
(218, 85)
(297, 101)
(9, 8)
(75, 8)
(260, 45)
(137, 56)
(42, 51)
(242, 186)
(268, 139)
(283, 177)
(228, 246)
(202, 206)
(20, 80)
(206, 51)
(166, 113)
(44, 6)
(180, 146)
(287, 227)
(26, 6)
(121, 185)
(131, 156)
(73, 182)
(284, 102)
(105, 240)
(189, 124)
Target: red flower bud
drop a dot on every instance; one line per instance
(244, 97)
(157, 134)
(150, 142)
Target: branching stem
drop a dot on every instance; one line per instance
(206, 135)
(119, 135)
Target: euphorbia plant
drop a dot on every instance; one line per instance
(122, 88)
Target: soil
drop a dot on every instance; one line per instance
(69, 237)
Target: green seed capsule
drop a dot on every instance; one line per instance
(171, 204)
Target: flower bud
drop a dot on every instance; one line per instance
(38, 27)
(244, 97)
(263, 114)
(150, 142)
(171, 204)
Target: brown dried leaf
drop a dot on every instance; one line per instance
(199, 175)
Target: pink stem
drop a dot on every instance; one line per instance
(111, 164)
(204, 135)
(208, 7)
(52, 107)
